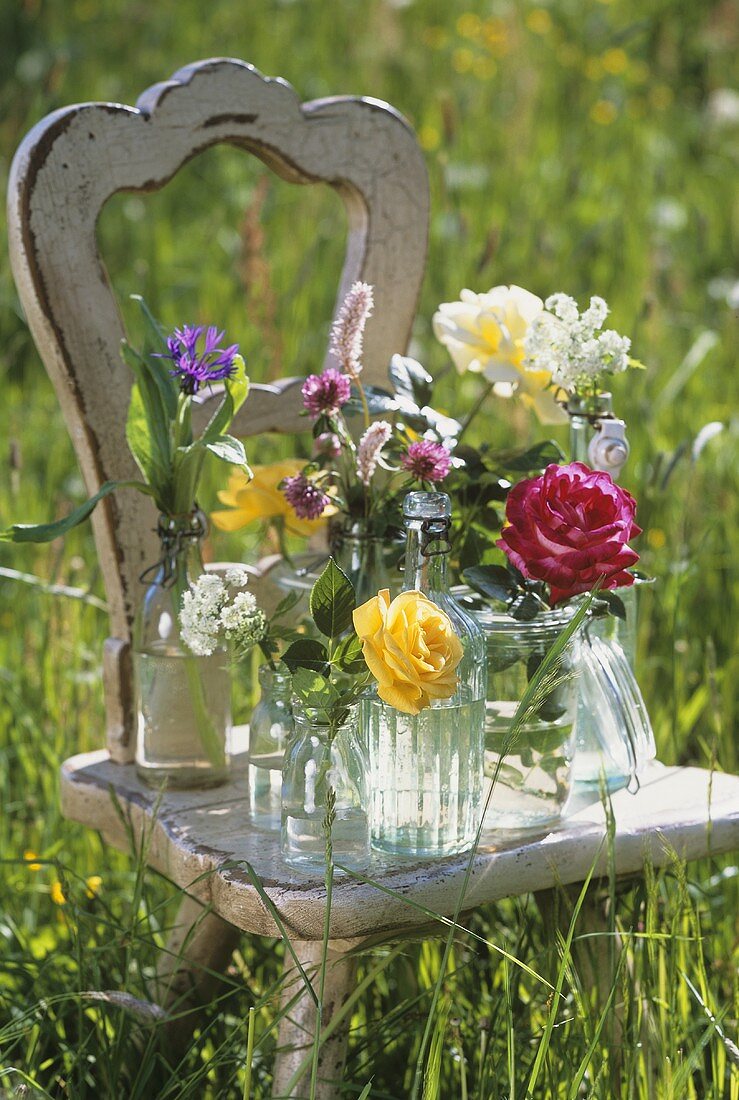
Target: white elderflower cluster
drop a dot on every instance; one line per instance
(211, 612)
(568, 344)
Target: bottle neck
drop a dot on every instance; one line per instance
(427, 550)
(585, 413)
(277, 684)
(181, 557)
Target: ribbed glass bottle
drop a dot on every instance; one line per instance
(427, 769)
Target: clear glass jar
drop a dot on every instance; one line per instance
(427, 769)
(534, 772)
(615, 741)
(325, 766)
(270, 728)
(183, 701)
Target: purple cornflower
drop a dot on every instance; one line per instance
(426, 460)
(305, 498)
(195, 370)
(325, 393)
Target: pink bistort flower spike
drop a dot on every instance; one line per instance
(369, 447)
(348, 328)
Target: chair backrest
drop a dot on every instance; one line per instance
(75, 159)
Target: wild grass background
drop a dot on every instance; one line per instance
(579, 145)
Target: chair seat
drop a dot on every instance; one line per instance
(193, 834)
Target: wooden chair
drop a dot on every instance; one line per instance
(66, 169)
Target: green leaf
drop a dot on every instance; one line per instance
(332, 601)
(410, 379)
(45, 532)
(238, 385)
(314, 690)
(287, 603)
(306, 653)
(229, 449)
(493, 581)
(535, 458)
(155, 330)
(526, 608)
(348, 655)
(614, 603)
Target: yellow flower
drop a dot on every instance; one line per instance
(615, 61)
(411, 649)
(429, 137)
(484, 333)
(259, 498)
(31, 858)
(94, 883)
(539, 21)
(604, 112)
(57, 894)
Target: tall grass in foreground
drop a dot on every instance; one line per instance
(574, 146)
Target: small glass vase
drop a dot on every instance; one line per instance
(371, 560)
(183, 701)
(427, 769)
(270, 729)
(325, 769)
(534, 773)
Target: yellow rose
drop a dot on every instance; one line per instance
(485, 333)
(259, 498)
(410, 648)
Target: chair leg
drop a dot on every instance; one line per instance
(297, 1027)
(198, 951)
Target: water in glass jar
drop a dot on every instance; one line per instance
(535, 777)
(265, 788)
(170, 745)
(426, 777)
(305, 837)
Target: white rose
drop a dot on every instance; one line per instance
(485, 333)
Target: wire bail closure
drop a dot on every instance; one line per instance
(174, 539)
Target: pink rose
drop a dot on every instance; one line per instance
(569, 528)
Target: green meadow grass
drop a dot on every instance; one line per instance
(580, 146)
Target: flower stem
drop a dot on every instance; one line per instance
(475, 409)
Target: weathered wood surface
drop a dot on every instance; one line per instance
(75, 159)
(688, 810)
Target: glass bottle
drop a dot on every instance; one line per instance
(427, 769)
(183, 701)
(325, 765)
(614, 734)
(532, 775)
(270, 728)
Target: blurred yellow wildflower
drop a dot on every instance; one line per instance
(435, 37)
(539, 21)
(462, 60)
(31, 857)
(469, 25)
(484, 68)
(495, 34)
(604, 112)
(429, 137)
(656, 538)
(57, 894)
(615, 61)
(661, 97)
(94, 883)
(260, 499)
(594, 68)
